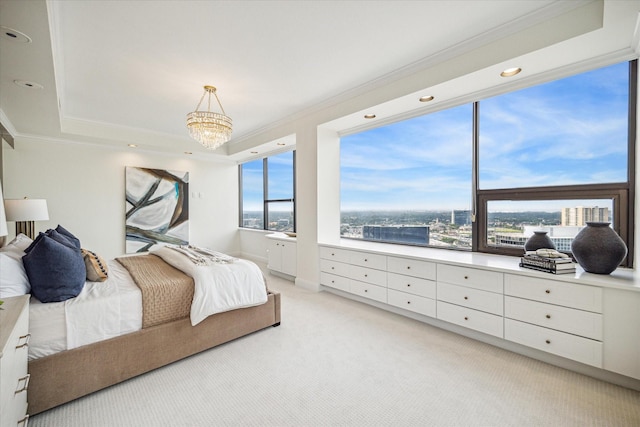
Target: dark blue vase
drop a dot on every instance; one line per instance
(598, 248)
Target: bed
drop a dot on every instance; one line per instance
(108, 333)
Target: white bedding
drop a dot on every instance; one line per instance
(102, 310)
(216, 288)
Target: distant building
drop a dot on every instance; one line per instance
(461, 217)
(580, 215)
(560, 236)
(416, 235)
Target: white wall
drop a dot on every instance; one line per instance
(84, 187)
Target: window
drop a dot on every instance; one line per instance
(548, 157)
(267, 199)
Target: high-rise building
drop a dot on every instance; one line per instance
(461, 217)
(580, 215)
(417, 235)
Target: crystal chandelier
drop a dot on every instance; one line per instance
(208, 128)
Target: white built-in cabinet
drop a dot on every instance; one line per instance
(14, 379)
(591, 319)
(282, 254)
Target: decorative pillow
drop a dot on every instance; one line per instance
(65, 239)
(76, 242)
(13, 277)
(97, 270)
(55, 270)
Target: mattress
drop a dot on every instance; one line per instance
(103, 310)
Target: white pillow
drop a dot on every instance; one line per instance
(13, 277)
(15, 248)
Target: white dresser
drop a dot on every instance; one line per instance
(14, 379)
(590, 319)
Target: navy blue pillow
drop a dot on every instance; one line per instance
(56, 270)
(66, 233)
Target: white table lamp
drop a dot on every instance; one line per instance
(25, 212)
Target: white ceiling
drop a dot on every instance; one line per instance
(117, 72)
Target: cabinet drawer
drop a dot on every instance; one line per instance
(484, 322)
(333, 281)
(333, 267)
(417, 304)
(471, 277)
(340, 255)
(553, 292)
(369, 275)
(577, 322)
(412, 285)
(562, 344)
(412, 267)
(367, 259)
(472, 298)
(368, 290)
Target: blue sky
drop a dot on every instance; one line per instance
(280, 181)
(569, 131)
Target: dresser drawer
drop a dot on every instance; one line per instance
(368, 290)
(472, 298)
(471, 277)
(473, 319)
(369, 275)
(562, 344)
(367, 259)
(417, 304)
(412, 267)
(334, 254)
(333, 281)
(553, 292)
(577, 322)
(412, 285)
(333, 267)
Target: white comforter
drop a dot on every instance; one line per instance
(220, 287)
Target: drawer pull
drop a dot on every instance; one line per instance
(466, 277)
(366, 260)
(24, 343)
(366, 290)
(332, 254)
(548, 341)
(466, 318)
(25, 385)
(24, 421)
(333, 268)
(466, 297)
(408, 267)
(548, 316)
(333, 281)
(548, 291)
(408, 285)
(408, 302)
(366, 275)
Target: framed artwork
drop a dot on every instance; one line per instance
(157, 208)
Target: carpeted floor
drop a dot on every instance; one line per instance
(336, 362)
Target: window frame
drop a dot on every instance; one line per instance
(265, 194)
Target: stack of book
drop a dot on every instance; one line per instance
(549, 265)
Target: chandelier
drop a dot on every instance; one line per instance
(208, 128)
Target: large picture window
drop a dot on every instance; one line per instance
(484, 176)
(267, 199)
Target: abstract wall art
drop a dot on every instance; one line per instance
(157, 208)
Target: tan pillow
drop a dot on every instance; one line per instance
(96, 266)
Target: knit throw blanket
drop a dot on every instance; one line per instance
(203, 256)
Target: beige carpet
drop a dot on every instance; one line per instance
(335, 362)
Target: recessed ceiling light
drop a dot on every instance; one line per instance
(254, 152)
(510, 72)
(28, 84)
(426, 98)
(12, 35)
(369, 116)
(132, 145)
(188, 152)
(281, 143)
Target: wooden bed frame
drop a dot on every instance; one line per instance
(71, 374)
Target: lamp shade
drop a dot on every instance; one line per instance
(26, 210)
(3, 219)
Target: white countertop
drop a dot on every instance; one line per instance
(622, 278)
